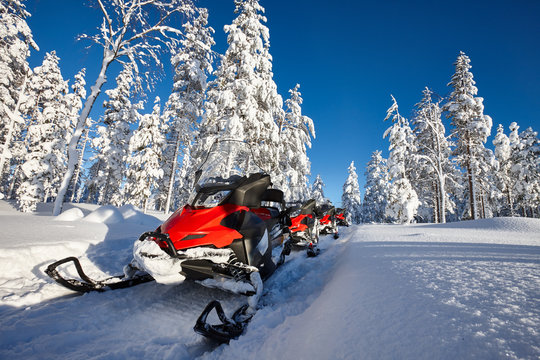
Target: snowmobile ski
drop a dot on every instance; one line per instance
(230, 328)
(87, 284)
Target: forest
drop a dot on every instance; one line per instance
(51, 150)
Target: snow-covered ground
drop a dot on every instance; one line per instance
(454, 291)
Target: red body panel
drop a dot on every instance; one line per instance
(204, 221)
(340, 216)
(325, 220)
(297, 224)
(263, 213)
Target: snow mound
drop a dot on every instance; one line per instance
(70, 215)
(133, 214)
(106, 214)
(516, 224)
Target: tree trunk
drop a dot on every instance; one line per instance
(81, 125)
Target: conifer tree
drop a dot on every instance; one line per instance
(471, 129)
(243, 103)
(295, 134)
(193, 64)
(402, 201)
(15, 43)
(47, 136)
(435, 168)
(144, 165)
(112, 140)
(505, 180)
(351, 199)
(526, 172)
(376, 191)
(317, 191)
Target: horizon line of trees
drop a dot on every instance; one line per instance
(433, 176)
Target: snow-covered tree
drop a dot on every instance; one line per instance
(15, 42)
(295, 134)
(113, 138)
(317, 191)
(243, 103)
(47, 135)
(402, 200)
(144, 165)
(376, 190)
(136, 31)
(526, 172)
(505, 181)
(435, 168)
(193, 64)
(351, 198)
(471, 129)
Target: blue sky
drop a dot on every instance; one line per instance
(349, 57)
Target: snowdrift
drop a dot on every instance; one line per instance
(458, 290)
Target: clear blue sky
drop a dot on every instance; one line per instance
(349, 56)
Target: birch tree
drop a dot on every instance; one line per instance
(134, 31)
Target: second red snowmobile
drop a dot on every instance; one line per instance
(304, 229)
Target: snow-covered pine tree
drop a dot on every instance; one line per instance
(113, 138)
(47, 135)
(471, 129)
(15, 42)
(435, 169)
(526, 172)
(351, 199)
(504, 179)
(243, 103)
(144, 165)
(402, 201)
(295, 136)
(317, 191)
(136, 31)
(193, 64)
(376, 190)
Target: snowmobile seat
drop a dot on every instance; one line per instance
(249, 192)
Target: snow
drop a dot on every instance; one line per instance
(462, 290)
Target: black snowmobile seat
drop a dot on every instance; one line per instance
(249, 192)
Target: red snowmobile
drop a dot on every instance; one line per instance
(304, 230)
(327, 220)
(223, 238)
(341, 219)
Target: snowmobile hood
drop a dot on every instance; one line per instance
(192, 227)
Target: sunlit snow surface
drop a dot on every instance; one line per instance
(460, 290)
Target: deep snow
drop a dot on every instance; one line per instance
(460, 290)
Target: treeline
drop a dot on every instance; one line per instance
(432, 175)
(144, 159)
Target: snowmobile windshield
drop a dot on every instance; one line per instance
(225, 161)
(213, 191)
